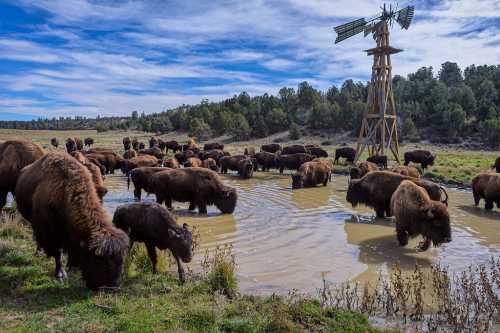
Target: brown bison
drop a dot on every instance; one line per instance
(54, 142)
(271, 148)
(486, 186)
(496, 166)
(193, 162)
(266, 160)
(154, 151)
(171, 163)
(15, 155)
(295, 149)
(141, 146)
(172, 145)
(198, 186)
(317, 151)
(215, 154)
(311, 174)
(153, 142)
(410, 171)
(213, 145)
(135, 144)
(139, 161)
(380, 160)
(346, 152)
(376, 188)
(326, 161)
(71, 145)
(141, 179)
(211, 164)
(57, 196)
(249, 151)
(424, 157)
(416, 214)
(107, 158)
(127, 143)
(183, 156)
(88, 142)
(156, 227)
(95, 171)
(240, 163)
(128, 154)
(362, 169)
(293, 161)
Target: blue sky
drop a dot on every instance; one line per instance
(83, 57)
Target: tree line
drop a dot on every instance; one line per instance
(446, 105)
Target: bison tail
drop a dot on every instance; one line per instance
(445, 201)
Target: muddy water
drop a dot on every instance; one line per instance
(286, 239)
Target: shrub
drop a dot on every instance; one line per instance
(220, 271)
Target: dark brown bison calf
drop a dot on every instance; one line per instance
(156, 227)
(486, 186)
(271, 148)
(346, 152)
(198, 186)
(380, 160)
(15, 155)
(141, 178)
(416, 214)
(375, 190)
(362, 169)
(424, 157)
(311, 174)
(57, 196)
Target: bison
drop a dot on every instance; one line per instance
(376, 188)
(293, 161)
(362, 169)
(95, 171)
(496, 166)
(271, 148)
(137, 162)
(240, 163)
(183, 156)
(57, 196)
(213, 145)
(141, 177)
(380, 160)
(193, 162)
(54, 142)
(172, 145)
(311, 174)
(215, 154)
(424, 157)
(416, 214)
(141, 146)
(126, 143)
(109, 159)
(153, 151)
(198, 186)
(295, 149)
(346, 152)
(71, 145)
(15, 155)
(171, 163)
(211, 164)
(156, 227)
(410, 171)
(486, 186)
(317, 151)
(88, 142)
(266, 160)
(128, 154)
(153, 142)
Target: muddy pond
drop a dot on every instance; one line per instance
(285, 239)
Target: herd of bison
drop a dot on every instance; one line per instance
(60, 194)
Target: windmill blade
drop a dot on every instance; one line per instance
(349, 33)
(405, 17)
(349, 26)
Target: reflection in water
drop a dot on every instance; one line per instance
(287, 239)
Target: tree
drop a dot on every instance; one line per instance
(240, 129)
(491, 129)
(409, 130)
(294, 133)
(135, 115)
(450, 74)
(199, 129)
(486, 96)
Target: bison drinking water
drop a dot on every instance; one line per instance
(487, 186)
(311, 174)
(416, 214)
(57, 196)
(198, 186)
(424, 157)
(156, 227)
(15, 155)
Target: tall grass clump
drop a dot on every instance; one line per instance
(220, 270)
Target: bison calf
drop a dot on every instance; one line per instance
(156, 227)
(416, 214)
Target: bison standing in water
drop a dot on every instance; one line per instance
(266, 160)
(141, 179)
(347, 152)
(57, 196)
(139, 161)
(198, 186)
(311, 174)
(424, 157)
(109, 159)
(293, 161)
(241, 163)
(487, 186)
(156, 227)
(416, 214)
(375, 190)
(15, 155)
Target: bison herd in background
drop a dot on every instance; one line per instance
(61, 193)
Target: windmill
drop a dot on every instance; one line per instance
(379, 131)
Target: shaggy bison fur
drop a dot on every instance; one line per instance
(171, 163)
(362, 169)
(15, 155)
(183, 156)
(127, 143)
(193, 162)
(95, 171)
(266, 160)
(271, 148)
(380, 160)
(73, 144)
(486, 186)
(141, 179)
(346, 152)
(424, 157)
(416, 214)
(139, 161)
(153, 151)
(375, 190)
(173, 146)
(109, 159)
(317, 151)
(241, 163)
(311, 174)
(294, 149)
(156, 227)
(57, 196)
(198, 186)
(293, 161)
(128, 154)
(211, 164)
(407, 170)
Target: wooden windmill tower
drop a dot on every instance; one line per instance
(379, 131)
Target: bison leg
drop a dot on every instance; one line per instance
(159, 198)
(423, 246)
(281, 169)
(402, 237)
(488, 205)
(380, 212)
(192, 206)
(152, 256)
(59, 272)
(168, 202)
(477, 197)
(388, 212)
(137, 193)
(202, 207)
(180, 269)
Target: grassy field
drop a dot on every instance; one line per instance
(453, 165)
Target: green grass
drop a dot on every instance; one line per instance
(31, 300)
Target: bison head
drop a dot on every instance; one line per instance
(70, 145)
(437, 223)
(355, 173)
(181, 242)
(102, 259)
(430, 159)
(226, 200)
(355, 192)
(246, 168)
(297, 181)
